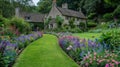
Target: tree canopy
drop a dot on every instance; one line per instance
(7, 7)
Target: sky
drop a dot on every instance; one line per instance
(35, 1)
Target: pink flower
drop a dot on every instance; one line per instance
(100, 61)
(95, 53)
(107, 65)
(86, 64)
(84, 58)
(112, 65)
(91, 61)
(87, 57)
(116, 62)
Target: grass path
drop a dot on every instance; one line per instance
(45, 52)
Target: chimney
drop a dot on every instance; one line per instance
(17, 12)
(54, 3)
(65, 5)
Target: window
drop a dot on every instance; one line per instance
(66, 17)
(27, 17)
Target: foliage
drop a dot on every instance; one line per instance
(116, 12)
(91, 24)
(113, 3)
(91, 15)
(5, 27)
(59, 21)
(44, 6)
(103, 25)
(7, 7)
(111, 38)
(89, 53)
(47, 22)
(37, 26)
(20, 24)
(105, 59)
(108, 16)
(75, 30)
(74, 46)
(10, 49)
(4, 22)
(82, 26)
(71, 22)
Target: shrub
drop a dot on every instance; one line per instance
(111, 38)
(91, 24)
(59, 21)
(116, 12)
(75, 30)
(4, 22)
(108, 16)
(71, 22)
(82, 26)
(91, 15)
(103, 25)
(21, 25)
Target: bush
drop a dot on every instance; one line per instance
(75, 30)
(91, 24)
(59, 20)
(116, 12)
(82, 26)
(111, 38)
(103, 25)
(71, 22)
(3, 22)
(108, 16)
(21, 25)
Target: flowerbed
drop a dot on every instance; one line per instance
(10, 49)
(89, 53)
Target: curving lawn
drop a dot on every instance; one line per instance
(44, 52)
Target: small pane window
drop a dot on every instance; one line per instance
(27, 17)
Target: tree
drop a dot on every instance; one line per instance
(7, 7)
(44, 6)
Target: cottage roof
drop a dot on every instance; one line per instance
(72, 13)
(33, 17)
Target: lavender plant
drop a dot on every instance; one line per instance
(10, 49)
(79, 49)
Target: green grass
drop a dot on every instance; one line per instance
(45, 52)
(91, 36)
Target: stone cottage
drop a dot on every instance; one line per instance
(66, 14)
(35, 19)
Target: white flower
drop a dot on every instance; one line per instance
(70, 47)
